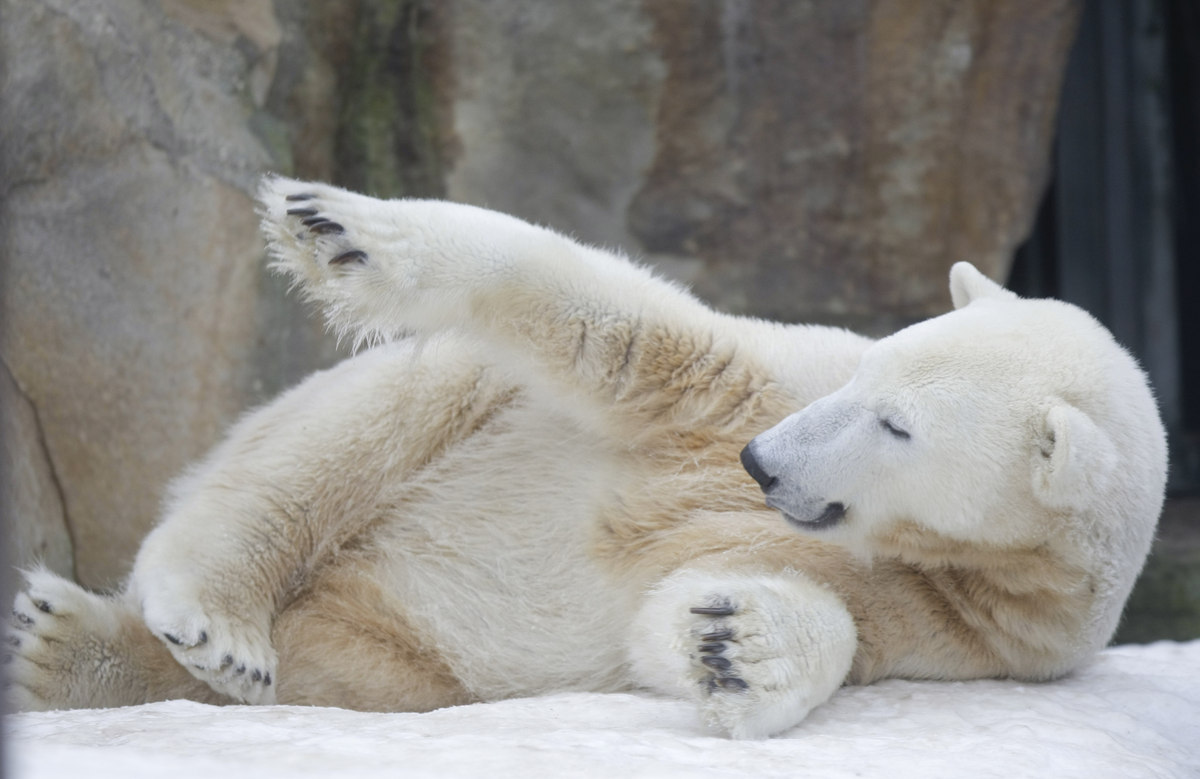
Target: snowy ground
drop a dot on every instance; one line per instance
(1134, 713)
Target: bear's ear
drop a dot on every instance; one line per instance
(1073, 459)
(967, 284)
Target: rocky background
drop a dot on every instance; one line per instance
(821, 160)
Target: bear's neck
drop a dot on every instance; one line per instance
(1018, 612)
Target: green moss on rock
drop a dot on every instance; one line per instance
(387, 136)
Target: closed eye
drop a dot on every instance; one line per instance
(891, 427)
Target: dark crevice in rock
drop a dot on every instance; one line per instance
(388, 139)
(44, 444)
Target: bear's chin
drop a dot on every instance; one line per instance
(835, 526)
(831, 516)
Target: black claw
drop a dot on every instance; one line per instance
(226, 661)
(241, 669)
(345, 258)
(723, 610)
(732, 684)
(203, 638)
(306, 211)
(313, 220)
(712, 648)
(325, 228)
(717, 663)
(24, 619)
(300, 196)
(172, 639)
(256, 675)
(718, 634)
(267, 680)
(43, 606)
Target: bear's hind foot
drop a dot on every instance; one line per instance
(69, 648)
(380, 268)
(325, 239)
(232, 655)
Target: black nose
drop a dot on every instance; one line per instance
(752, 467)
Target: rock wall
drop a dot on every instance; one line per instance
(796, 159)
(138, 321)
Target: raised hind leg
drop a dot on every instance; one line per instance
(291, 483)
(590, 321)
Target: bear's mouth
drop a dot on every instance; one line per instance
(833, 514)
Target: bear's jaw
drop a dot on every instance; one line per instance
(831, 516)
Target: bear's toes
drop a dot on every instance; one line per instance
(232, 656)
(718, 672)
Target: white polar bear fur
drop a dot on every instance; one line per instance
(541, 491)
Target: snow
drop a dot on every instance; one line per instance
(1135, 712)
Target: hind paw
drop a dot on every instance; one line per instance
(382, 267)
(231, 655)
(63, 648)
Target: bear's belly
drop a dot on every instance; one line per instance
(486, 553)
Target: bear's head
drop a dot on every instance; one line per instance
(1006, 423)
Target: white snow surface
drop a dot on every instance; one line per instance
(1134, 712)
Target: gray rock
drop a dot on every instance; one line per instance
(799, 160)
(554, 111)
(134, 288)
(31, 490)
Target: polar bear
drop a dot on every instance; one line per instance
(558, 472)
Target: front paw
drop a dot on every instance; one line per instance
(758, 652)
(232, 653)
(748, 660)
